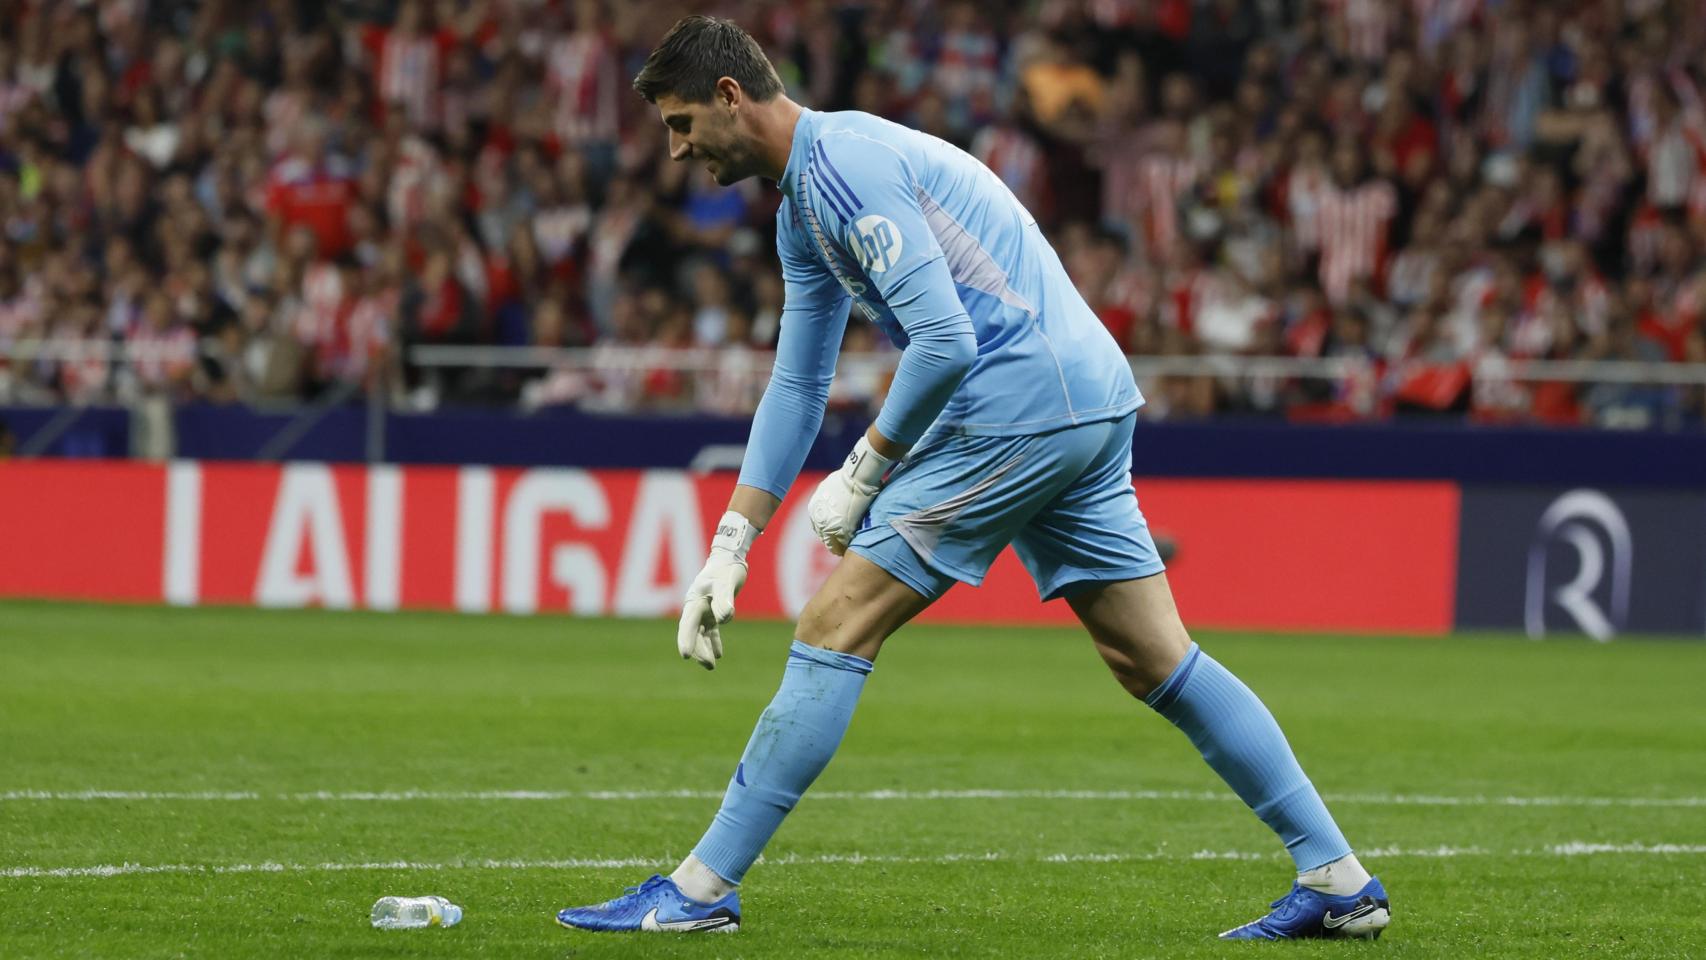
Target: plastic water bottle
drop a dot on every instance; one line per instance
(412, 913)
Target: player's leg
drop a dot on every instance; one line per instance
(1137, 630)
(840, 632)
(944, 515)
(862, 604)
(1092, 546)
(880, 584)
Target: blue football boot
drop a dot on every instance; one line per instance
(1308, 913)
(656, 906)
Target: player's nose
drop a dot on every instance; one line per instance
(679, 148)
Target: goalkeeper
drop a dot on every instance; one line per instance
(1009, 421)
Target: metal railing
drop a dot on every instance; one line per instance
(741, 374)
(712, 360)
(715, 359)
(303, 414)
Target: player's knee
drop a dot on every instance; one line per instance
(1134, 678)
(813, 627)
(834, 620)
(1138, 687)
(1142, 660)
(824, 622)
(857, 608)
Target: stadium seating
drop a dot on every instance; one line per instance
(271, 202)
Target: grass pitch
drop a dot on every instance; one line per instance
(226, 783)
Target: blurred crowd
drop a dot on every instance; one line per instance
(274, 199)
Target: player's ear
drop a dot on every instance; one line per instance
(729, 94)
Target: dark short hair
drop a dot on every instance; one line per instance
(696, 53)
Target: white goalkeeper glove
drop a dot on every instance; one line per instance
(710, 599)
(840, 501)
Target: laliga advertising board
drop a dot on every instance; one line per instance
(1324, 555)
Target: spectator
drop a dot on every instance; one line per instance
(269, 199)
(312, 189)
(163, 347)
(581, 71)
(1355, 214)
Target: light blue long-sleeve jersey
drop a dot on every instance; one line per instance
(937, 252)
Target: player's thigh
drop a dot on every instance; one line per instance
(950, 509)
(1092, 531)
(857, 608)
(1091, 545)
(1136, 628)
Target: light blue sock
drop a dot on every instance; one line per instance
(1240, 740)
(791, 745)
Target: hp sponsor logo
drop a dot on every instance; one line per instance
(876, 243)
(1588, 524)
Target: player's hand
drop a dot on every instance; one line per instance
(840, 501)
(710, 600)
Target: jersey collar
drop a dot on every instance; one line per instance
(805, 132)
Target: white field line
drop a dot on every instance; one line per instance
(1573, 849)
(394, 796)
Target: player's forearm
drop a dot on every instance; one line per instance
(757, 506)
(783, 429)
(890, 449)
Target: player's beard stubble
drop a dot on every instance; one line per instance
(730, 162)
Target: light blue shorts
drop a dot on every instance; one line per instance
(1064, 500)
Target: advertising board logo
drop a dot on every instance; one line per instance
(1590, 525)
